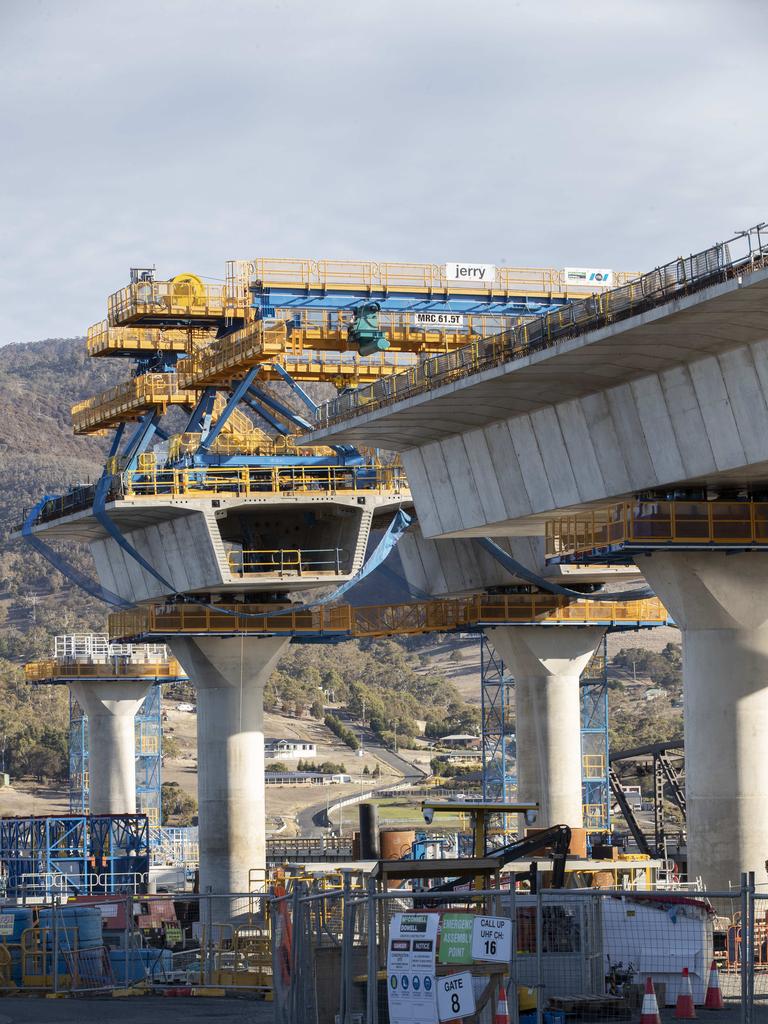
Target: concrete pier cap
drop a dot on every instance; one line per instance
(230, 675)
(546, 663)
(720, 603)
(111, 709)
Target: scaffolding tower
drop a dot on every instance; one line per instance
(149, 749)
(499, 741)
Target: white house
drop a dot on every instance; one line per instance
(287, 750)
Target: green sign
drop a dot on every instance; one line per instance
(456, 939)
(172, 935)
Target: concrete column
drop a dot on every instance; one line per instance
(230, 675)
(546, 662)
(720, 602)
(111, 709)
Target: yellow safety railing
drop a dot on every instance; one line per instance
(657, 524)
(596, 667)
(106, 340)
(255, 442)
(260, 481)
(381, 620)
(128, 400)
(283, 561)
(415, 277)
(53, 668)
(593, 766)
(595, 816)
(234, 353)
(186, 298)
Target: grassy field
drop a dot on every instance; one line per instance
(401, 812)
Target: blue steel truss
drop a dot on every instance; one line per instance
(149, 750)
(594, 742)
(74, 854)
(498, 734)
(499, 781)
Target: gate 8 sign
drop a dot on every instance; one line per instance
(455, 996)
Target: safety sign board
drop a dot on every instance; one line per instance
(411, 988)
(456, 939)
(6, 924)
(438, 319)
(492, 939)
(455, 996)
(592, 277)
(472, 273)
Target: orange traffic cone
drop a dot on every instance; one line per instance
(650, 1011)
(685, 1009)
(714, 997)
(502, 1008)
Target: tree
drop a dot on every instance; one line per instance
(176, 804)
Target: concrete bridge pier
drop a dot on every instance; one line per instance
(546, 662)
(720, 602)
(111, 709)
(230, 676)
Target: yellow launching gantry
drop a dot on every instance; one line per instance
(298, 317)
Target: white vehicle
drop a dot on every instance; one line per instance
(185, 707)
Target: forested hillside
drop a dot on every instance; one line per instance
(38, 455)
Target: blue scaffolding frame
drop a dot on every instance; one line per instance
(75, 854)
(498, 734)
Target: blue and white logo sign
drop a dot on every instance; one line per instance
(588, 277)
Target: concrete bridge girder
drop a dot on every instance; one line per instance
(700, 423)
(450, 567)
(198, 548)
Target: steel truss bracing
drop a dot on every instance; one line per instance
(74, 854)
(499, 779)
(148, 757)
(594, 742)
(498, 734)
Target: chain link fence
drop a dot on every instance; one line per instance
(573, 955)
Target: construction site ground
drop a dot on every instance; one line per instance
(153, 1010)
(147, 1009)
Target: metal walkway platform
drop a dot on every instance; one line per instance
(347, 622)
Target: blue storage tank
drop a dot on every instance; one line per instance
(154, 964)
(15, 921)
(79, 927)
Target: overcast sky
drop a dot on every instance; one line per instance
(534, 133)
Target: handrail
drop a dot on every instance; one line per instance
(169, 299)
(237, 481)
(285, 561)
(651, 523)
(673, 280)
(381, 620)
(269, 272)
(103, 338)
(132, 396)
(259, 481)
(58, 668)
